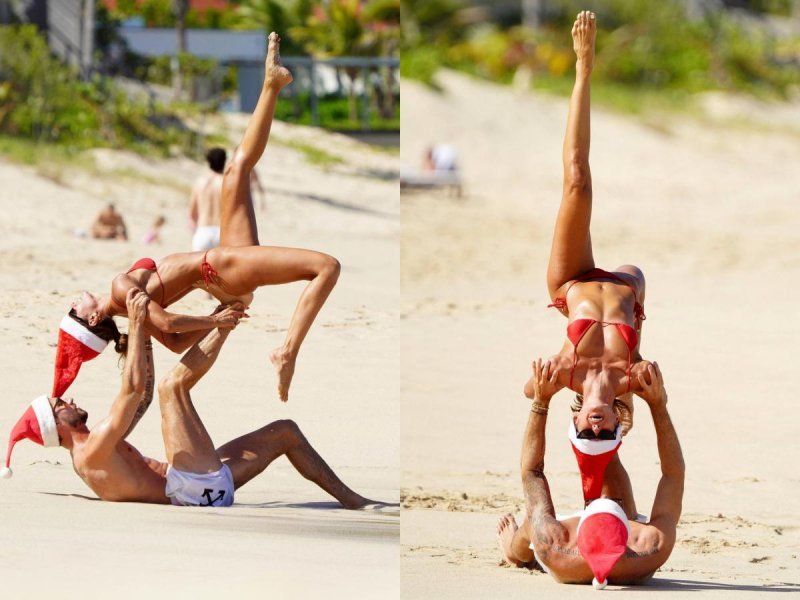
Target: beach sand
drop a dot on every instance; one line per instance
(284, 537)
(708, 208)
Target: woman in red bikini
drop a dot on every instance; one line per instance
(600, 358)
(230, 272)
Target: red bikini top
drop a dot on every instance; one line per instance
(150, 265)
(579, 327)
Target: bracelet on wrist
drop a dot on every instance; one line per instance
(539, 409)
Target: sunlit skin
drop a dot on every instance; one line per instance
(555, 540)
(241, 264)
(116, 471)
(601, 371)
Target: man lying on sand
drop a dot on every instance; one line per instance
(602, 544)
(196, 473)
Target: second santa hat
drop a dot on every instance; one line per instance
(76, 345)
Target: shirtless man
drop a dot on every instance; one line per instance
(195, 473)
(556, 544)
(204, 204)
(109, 225)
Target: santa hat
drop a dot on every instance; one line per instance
(76, 345)
(38, 424)
(593, 457)
(603, 532)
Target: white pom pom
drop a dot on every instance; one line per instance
(6, 473)
(597, 585)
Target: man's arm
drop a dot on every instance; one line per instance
(122, 231)
(149, 386)
(132, 391)
(668, 502)
(193, 207)
(538, 501)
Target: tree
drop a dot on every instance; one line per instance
(180, 8)
(336, 29)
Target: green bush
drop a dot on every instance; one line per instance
(43, 99)
(642, 44)
(333, 113)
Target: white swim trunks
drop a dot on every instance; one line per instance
(191, 489)
(205, 238)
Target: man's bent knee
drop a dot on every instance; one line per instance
(286, 429)
(170, 388)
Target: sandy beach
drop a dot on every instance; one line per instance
(707, 207)
(284, 536)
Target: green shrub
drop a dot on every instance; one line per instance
(43, 99)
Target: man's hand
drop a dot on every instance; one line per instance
(653, 391)
(543, 384)
(228, 316)
(136, 302)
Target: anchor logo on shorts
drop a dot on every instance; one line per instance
(212, 501)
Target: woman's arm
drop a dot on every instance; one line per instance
(167, 322)
(175, 331)
(177, 342)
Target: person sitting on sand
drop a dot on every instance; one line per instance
(600, 358)
(195, 473)
(109, 225)
(230, 272)
(606, 542)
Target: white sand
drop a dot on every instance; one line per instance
(710, 213)
(284, 537)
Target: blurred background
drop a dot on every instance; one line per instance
(129, 72)
(654, 51)
(695, 128)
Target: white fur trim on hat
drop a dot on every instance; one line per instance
(593, 447)
(83, 335)
(47, 421)
(604, 505)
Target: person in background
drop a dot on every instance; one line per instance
(108, 225)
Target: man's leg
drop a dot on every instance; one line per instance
(249, 455)
(515, 541)
(188, 446)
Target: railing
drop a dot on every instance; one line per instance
(309, 75)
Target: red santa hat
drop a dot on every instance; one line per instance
(603, 532)
(76, 345)
(593, 457)
(38, 424)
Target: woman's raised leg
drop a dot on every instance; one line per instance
(571, 252)
(245, 269)
(237, 217)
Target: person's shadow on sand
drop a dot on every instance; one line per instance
(683, 585)
(382, 508)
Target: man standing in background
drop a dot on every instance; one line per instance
(205, 201)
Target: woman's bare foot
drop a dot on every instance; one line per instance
(506, 528)
(284, 365)
(275, 74)
(583, 36)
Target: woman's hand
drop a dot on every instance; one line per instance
(136, 302)
(543, 384)
(228, 316)
(653, 391)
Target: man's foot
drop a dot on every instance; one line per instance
(583, 35)
(275, 74)
(359, 502)
(284, 365)
(506, 528)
